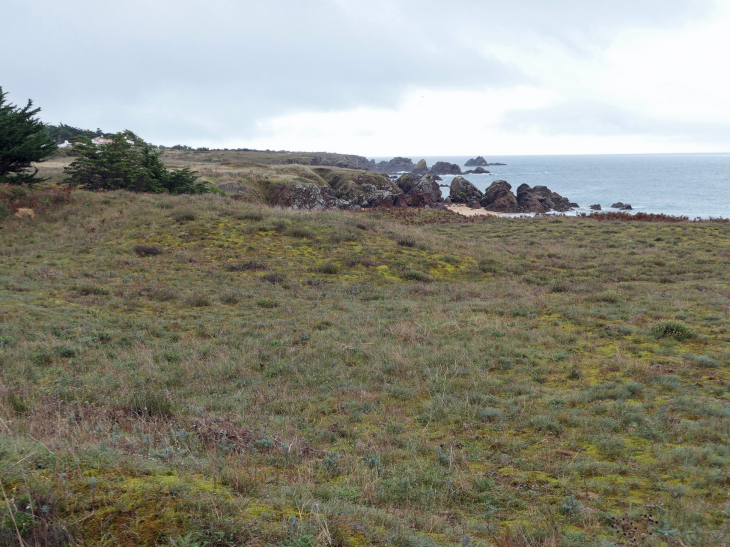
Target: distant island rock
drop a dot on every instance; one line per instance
(596, 207)
(476, 161)
(477, 171)
(622, 206)
(481, 162)
(445, 168)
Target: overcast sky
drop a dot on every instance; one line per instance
(381, 77)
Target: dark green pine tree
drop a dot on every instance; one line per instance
(23, 140)
(113, 166)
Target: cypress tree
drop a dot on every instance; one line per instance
(23, 140)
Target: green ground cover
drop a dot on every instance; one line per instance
(194, 370)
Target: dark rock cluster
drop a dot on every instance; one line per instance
(396, 165)
(500, 198)
(363, 191)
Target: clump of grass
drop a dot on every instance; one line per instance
(489, 265)
(343, 234)
(231, 297)
(267, 303)
(301, 233)
(328, 268)
(17, 403)
(672, 329)
(147, 250)
(91, 290)
(250, 215)
(246, 266)
(160, 294)
(274, 278)
(406, 241)
(609, 297)
(198, 300)
(184, 216)
(489, 414)
(416, 275)
(151, 404)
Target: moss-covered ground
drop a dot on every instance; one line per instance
(198, 371)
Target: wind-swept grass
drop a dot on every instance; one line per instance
(283, 378)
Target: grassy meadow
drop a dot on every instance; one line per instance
(201, 371)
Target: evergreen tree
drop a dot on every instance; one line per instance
(113, 166)
(23, 140)
(127, 163)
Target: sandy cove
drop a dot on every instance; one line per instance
(469, 212)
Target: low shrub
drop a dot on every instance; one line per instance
(147, 250)
(301, 233)
(184, 216)
(273, 277)
(198, 300)
(406, 241)
(246, 266)
(231, 297)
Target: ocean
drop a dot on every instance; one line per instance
(692, 185)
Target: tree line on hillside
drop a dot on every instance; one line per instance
(125, 163)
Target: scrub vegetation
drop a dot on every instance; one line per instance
(201, 371)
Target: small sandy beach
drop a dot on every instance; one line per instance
(469, 212)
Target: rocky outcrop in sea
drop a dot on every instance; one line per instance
(445, 168)
(480, 162)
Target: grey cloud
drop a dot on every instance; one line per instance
(210, 73)
(588, 118)
(190, 71)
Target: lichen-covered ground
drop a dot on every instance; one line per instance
(196, 371)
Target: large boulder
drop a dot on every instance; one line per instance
(421, 168)
(463, 191)
(499, 197)
(445, 168)
(476, 161)
(541, 199)
(420, 190)
(396, 165)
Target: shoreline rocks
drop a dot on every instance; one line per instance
(499, 198)
(463, 191)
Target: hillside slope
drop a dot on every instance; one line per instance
(204, 371)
